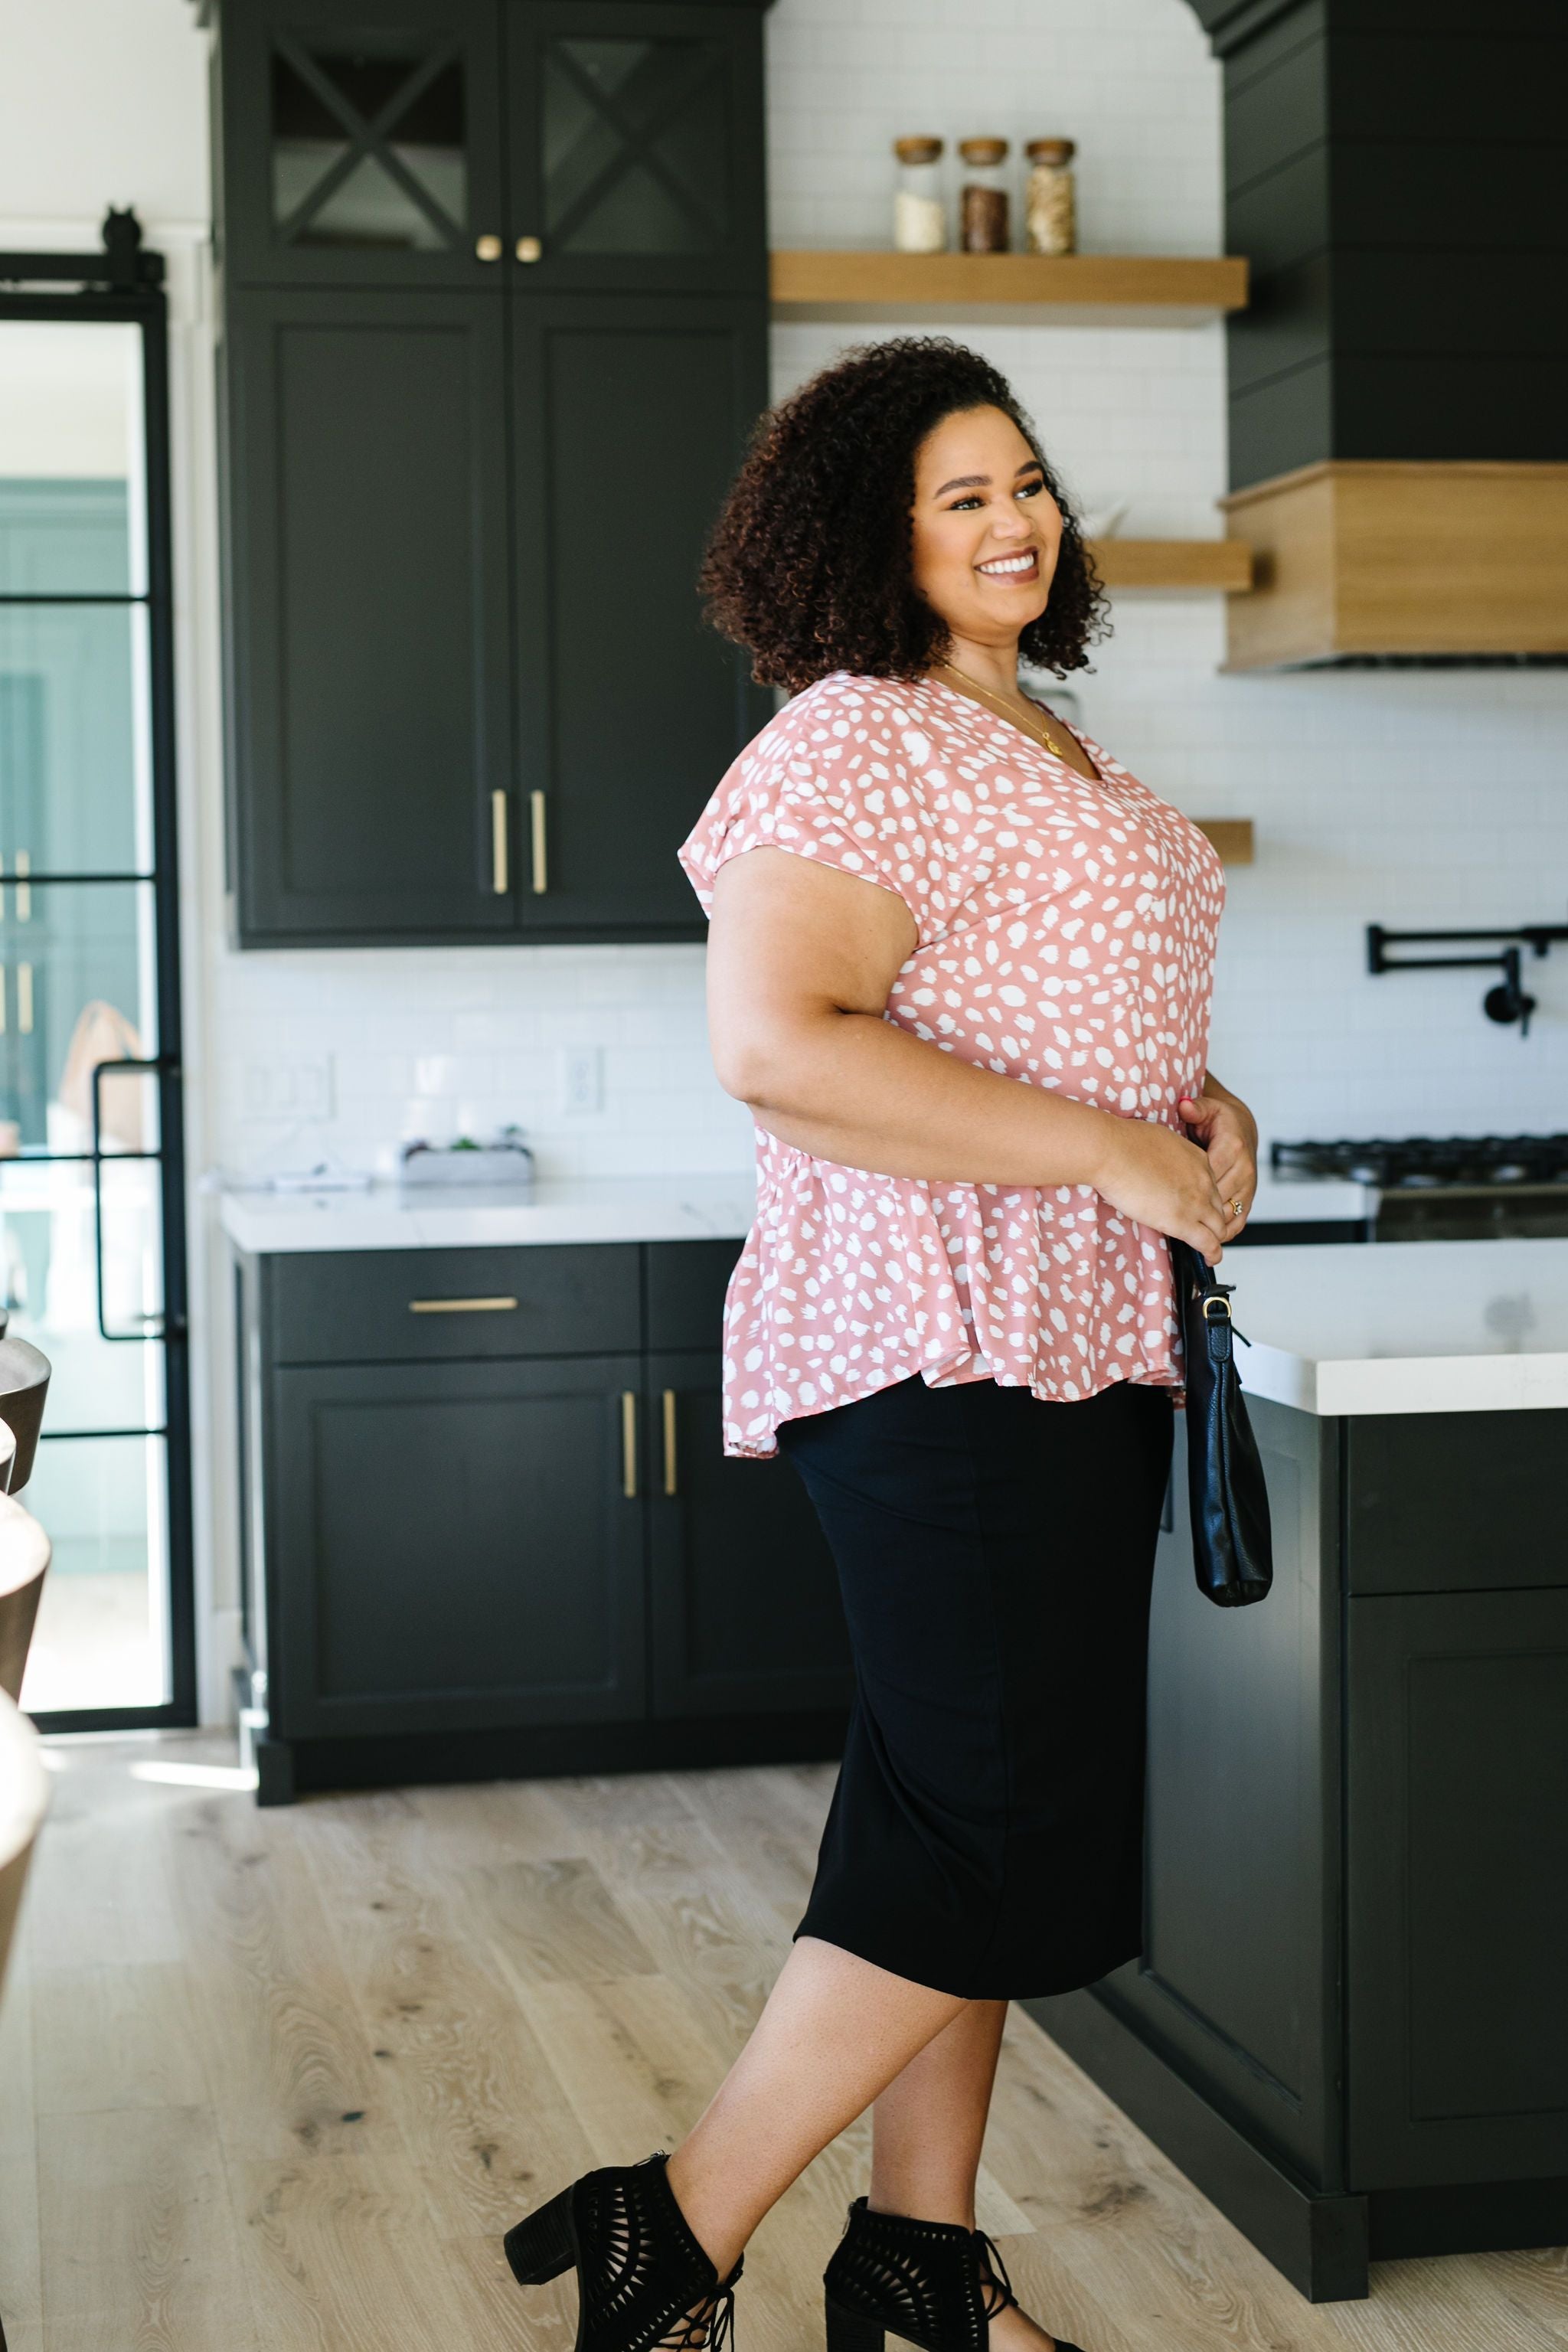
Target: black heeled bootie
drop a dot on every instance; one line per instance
(934, 2283)
(643, 2280)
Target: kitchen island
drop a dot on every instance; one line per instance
(1350, 2022)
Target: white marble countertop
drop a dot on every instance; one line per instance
(1335, 1327)
(1404, 1327)
(581, 1209)
(588, 1209)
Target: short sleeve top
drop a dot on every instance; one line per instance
(1065, 937)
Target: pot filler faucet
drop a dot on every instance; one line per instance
(1508, 1001)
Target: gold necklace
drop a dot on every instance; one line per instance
(1027, 726)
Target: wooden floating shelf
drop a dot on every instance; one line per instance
(1223, 565)
(1231, 835)
(1078, 282)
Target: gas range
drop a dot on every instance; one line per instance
(1453, 1187)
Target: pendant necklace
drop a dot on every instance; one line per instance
(1037, 727)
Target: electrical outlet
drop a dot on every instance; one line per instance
(581, 1079)
(291, 1089)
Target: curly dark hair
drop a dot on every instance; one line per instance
(809, 565)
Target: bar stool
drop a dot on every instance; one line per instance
(24, 1384)
(24, 1557)
(23, 1794)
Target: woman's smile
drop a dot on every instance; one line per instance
(1021, 568)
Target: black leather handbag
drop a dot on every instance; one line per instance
(1233, 1556)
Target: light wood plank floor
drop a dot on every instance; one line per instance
(276, 2082)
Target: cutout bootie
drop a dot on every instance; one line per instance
(933, 2283)
(643, 2282)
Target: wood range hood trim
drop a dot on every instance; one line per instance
(1393, 558)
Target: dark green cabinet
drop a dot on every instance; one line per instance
(367, 561)
(457, 1546)
(488, 1525)
(1457, 1884)
(627, 415)
(1347, 2024)
(633, 164)
(494, 334)
(360, 143)
(744, 1596)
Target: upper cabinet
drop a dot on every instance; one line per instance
(361, 145)
(494, 333)
(636, 149)
(586, 145)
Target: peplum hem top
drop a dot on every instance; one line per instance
(1065, 937)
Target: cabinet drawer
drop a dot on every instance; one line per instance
(1453, 1502)
(430, 1304)
(685, 1287)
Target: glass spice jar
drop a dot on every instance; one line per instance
(983, 200)
(919, 214)
(1050, 222)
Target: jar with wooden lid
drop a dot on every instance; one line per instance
(919, 214)
(983, 199)
(1050, 211)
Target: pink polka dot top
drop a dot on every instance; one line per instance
(1066, 935)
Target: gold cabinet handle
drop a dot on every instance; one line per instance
(488, 248)
(670, 1483)
(23, 889)
(536, 831)
(461, 1305)
(25, 999)
(629, 1443)
(530, 249)
(497, 844)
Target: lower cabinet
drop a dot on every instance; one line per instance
(746, 1615)
(1458, 1896)
(469, 1549)
(457, 1546)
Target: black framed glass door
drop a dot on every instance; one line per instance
(93, 1244)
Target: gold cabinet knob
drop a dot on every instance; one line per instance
(529, 248)
(488, 248)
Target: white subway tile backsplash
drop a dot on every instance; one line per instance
(1407, 797)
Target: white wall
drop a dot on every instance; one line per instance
(101, 102)
(1403, 797)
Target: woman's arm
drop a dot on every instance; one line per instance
(800, 960)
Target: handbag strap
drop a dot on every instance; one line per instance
(1213, 1305)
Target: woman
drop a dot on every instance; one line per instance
(954, 1314)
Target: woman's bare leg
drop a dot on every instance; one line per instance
(929, 2123)
(834, 2032)
(928, 2126)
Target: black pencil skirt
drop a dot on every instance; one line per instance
(996, 1555)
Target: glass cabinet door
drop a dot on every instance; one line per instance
(363, 144)
(629, 166)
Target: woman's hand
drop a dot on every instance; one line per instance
(1150, 1172)
(1225, 1128)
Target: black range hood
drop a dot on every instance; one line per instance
(1397, 174)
